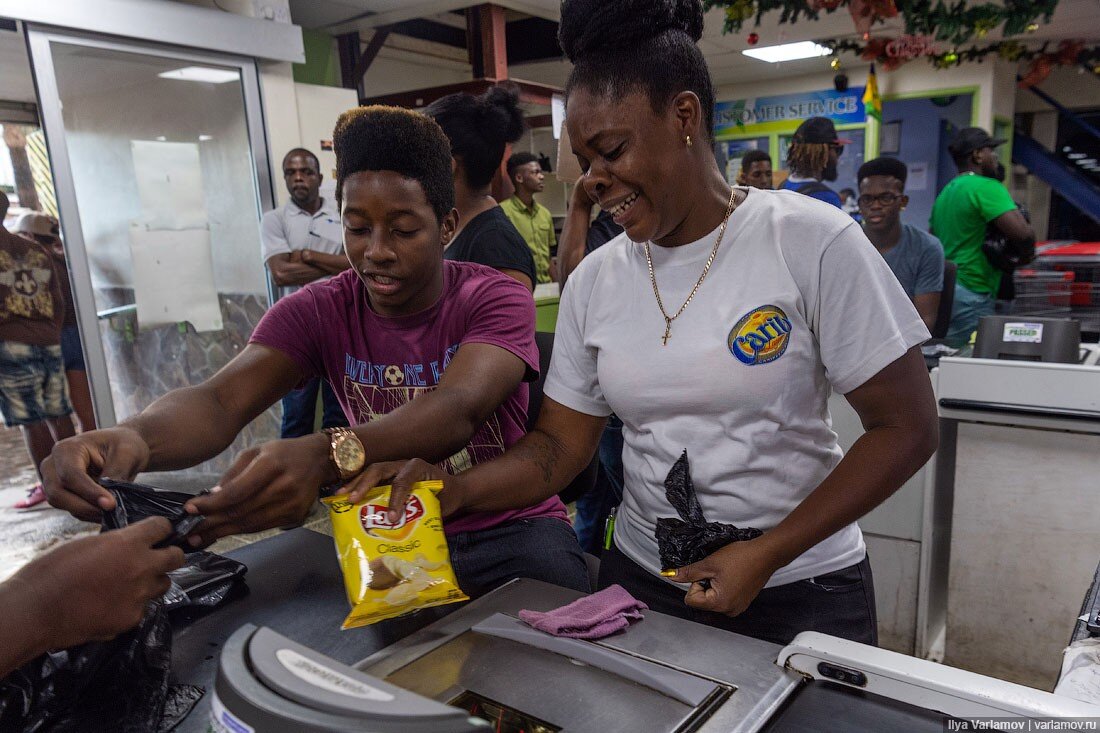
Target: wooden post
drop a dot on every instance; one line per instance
(494, 50)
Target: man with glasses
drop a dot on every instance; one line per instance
(812, 158)
(303, 241)
(914, 256)
(971, 202)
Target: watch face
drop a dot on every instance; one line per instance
(349, 453)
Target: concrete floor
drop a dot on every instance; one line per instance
(26, 534)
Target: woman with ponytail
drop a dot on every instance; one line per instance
(716, 325)
(479, 128)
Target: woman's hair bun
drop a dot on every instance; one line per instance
(590, 25)
(501, 114)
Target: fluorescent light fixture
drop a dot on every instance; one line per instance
(201, 73)
(787, 52)
(161, 138)
(1077, 156)
(204, 138)
(1087, 161)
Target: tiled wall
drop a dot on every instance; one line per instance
(146, 363)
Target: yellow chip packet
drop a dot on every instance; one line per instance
(393, 569)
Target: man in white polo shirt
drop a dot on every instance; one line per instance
(302, 243)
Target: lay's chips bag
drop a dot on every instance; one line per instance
(392, 569)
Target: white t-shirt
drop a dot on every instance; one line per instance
(291, 227)
(797, 300)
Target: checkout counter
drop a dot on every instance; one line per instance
(978, 558)
(275, 660)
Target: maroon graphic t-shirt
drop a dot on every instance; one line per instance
(376, 364)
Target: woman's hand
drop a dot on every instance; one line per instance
(273, 485)
(729, 579)
(401, 475)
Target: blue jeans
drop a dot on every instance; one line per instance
(966, 309)
(841, 603)
(594, 506)
(300, 405)
(542, 548)
(71, 350)
(32, 384)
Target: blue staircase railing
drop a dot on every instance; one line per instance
(1075, 188)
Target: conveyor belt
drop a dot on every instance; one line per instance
(824, 707)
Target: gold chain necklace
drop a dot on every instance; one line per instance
(706, 268)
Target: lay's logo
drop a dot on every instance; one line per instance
(760, 336)
(375, 523)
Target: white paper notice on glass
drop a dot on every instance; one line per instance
(169, 183)
(918, 176)
(557, 113)
(174, 278)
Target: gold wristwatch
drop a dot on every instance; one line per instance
(345, 451)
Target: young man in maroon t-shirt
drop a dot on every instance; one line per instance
(400, 324)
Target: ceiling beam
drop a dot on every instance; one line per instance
(429, 8)
(407, 12)
(529, 92)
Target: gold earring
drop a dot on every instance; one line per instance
(687, 140)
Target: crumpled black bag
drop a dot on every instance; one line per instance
(691, 538)
(135, 502)
(117, 685)
(122, 684)
(205, 579)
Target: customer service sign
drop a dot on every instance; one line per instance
(783, 113)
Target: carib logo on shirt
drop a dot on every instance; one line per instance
(761, 336)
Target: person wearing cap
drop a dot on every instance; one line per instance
(812, 158)
(968, 204)
(45, 230)
(33, 393)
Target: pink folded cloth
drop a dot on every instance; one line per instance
(592, 617)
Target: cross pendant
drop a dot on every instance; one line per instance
(668, 332)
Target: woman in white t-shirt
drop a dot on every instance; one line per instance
(716, 325)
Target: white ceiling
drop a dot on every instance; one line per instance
(1073, 19)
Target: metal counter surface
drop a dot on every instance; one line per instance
(295, 588)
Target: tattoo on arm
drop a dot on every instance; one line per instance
(542, 450)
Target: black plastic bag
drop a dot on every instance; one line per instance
(134, 502)
(117, 685)
(122, 684)
(205, 581)
(691, 538)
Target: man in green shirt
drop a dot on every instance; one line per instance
(531, 219)
(967, 205)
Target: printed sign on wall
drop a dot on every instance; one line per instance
(783, 113)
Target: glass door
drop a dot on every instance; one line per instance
(161, 174)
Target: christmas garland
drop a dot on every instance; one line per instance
(891, 53)
(956, 22)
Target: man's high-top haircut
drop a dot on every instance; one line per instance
(379, 138)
